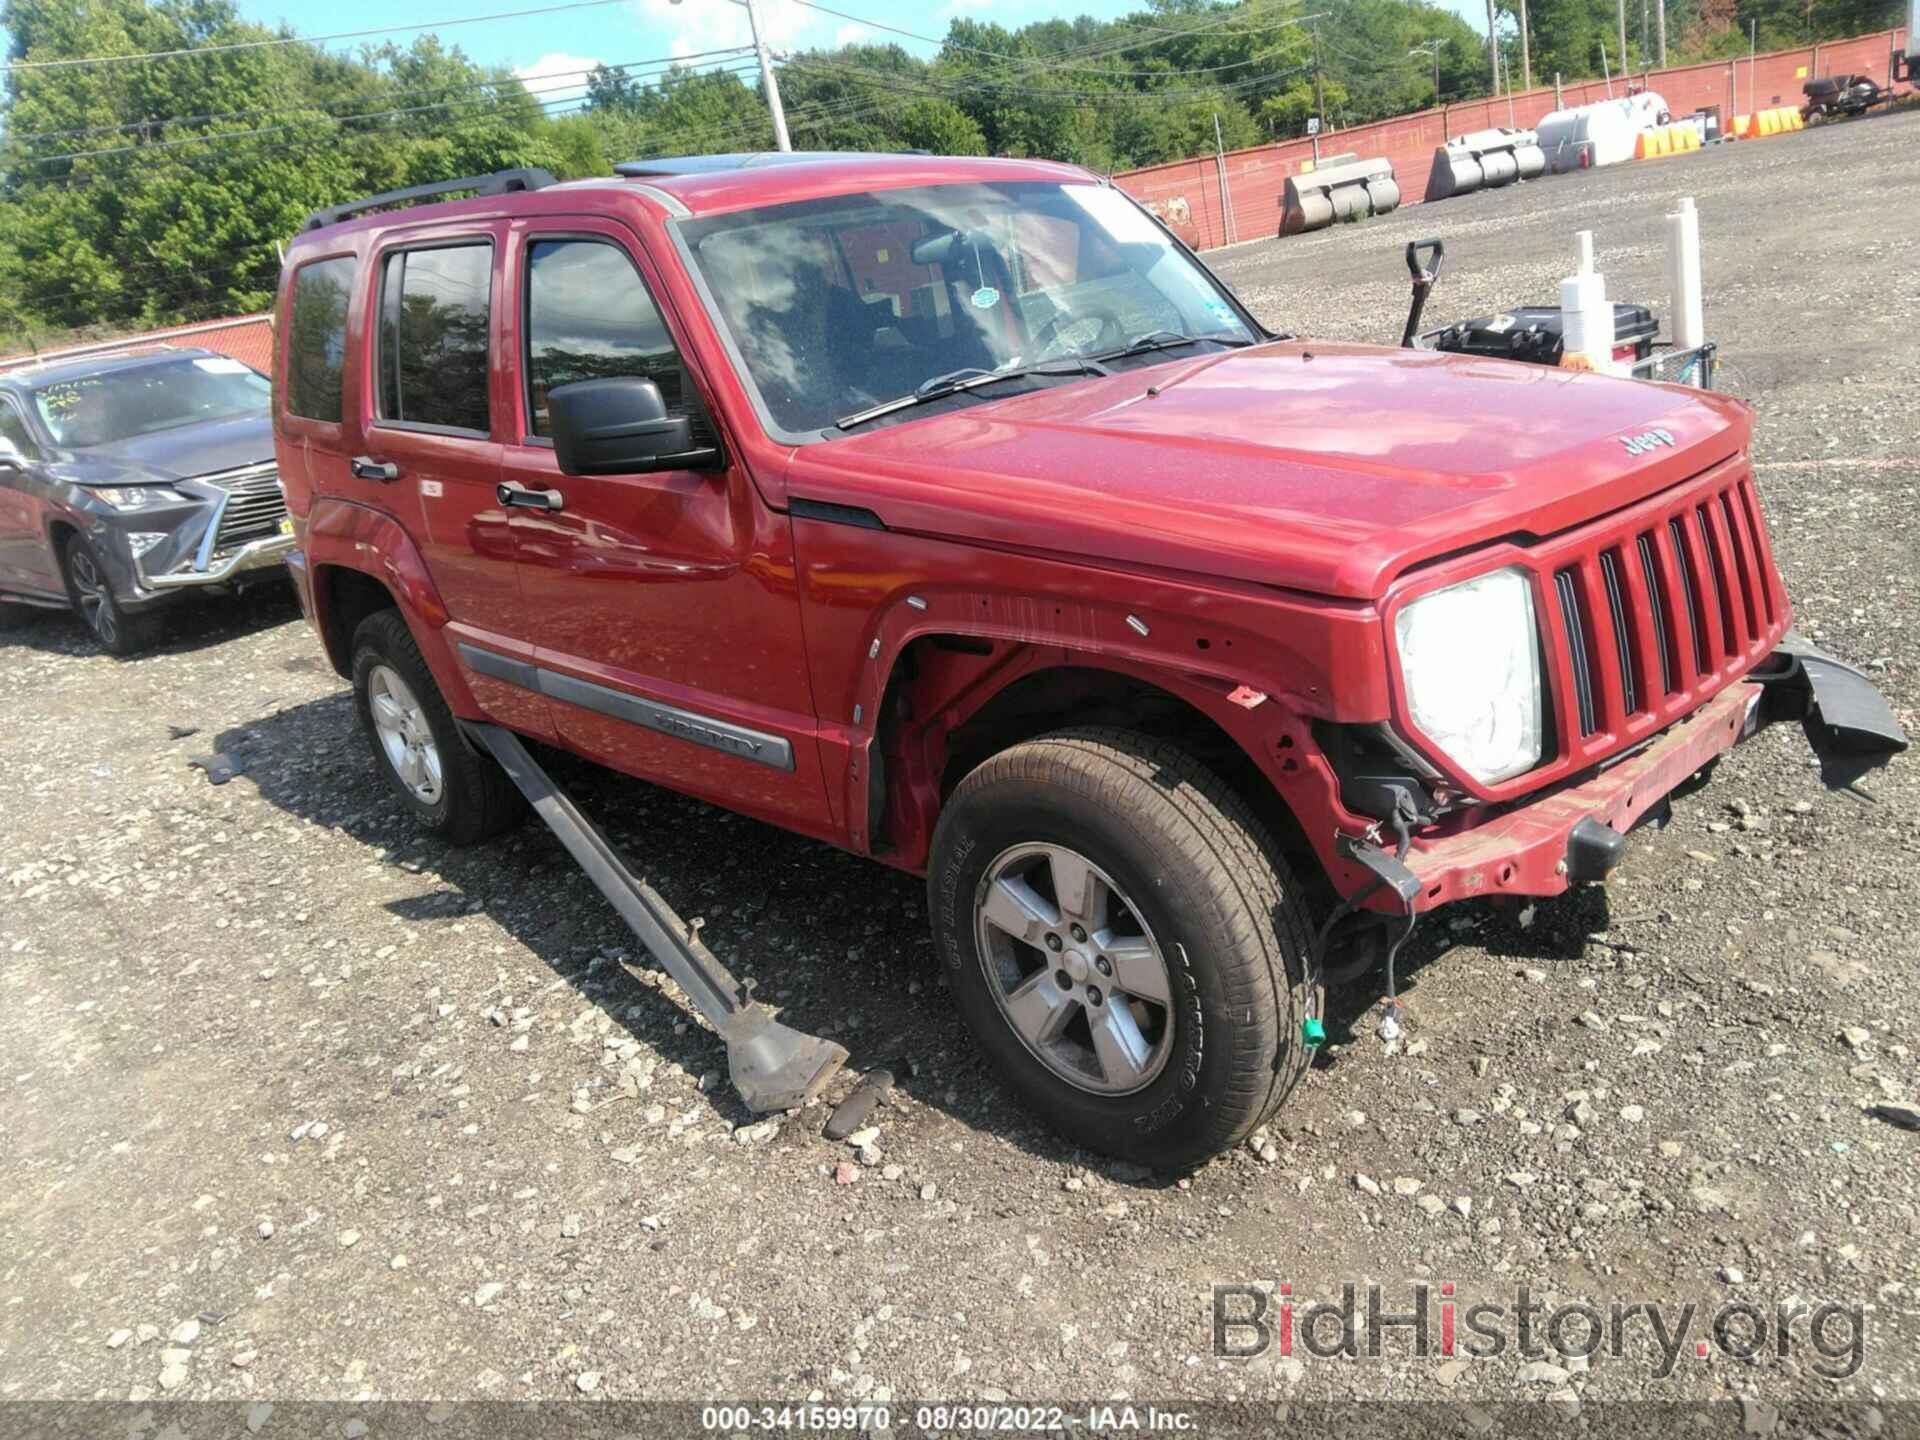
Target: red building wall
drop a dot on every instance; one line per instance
(1187, 193)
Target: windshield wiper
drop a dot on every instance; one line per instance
(1152, 340)
(958, 382)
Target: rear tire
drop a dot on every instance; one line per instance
(1191, 880)
(97, 607)
(451, 788)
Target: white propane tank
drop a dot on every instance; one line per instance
(1586, 315)
(1683, 275)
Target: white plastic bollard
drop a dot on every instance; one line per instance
(1683, 275)
(1586, 313)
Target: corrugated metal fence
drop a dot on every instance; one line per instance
(1187, 193)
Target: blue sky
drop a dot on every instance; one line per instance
(549, 50)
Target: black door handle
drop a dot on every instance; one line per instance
(520, 497)
(366, 467)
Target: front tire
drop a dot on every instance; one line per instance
(1123, 940)
(97, 607)
(450, 787)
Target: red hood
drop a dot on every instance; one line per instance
(1324, 468)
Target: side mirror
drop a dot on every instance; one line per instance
(620, 426)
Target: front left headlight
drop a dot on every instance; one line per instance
(137, 497)
(1470, 657)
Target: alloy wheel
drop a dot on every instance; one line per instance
(405, 737)
(1075, 969)
(96, 600)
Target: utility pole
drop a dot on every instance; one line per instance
(1319, 89)
(768, 81)
(1526, 47)
(1646, 30)
(1753, 62)
(1620, 13)
(1493, 47)
(1431, 49)
(1660, 34)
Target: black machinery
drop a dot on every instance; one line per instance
(1535, 334)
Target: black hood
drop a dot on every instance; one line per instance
(188, 450)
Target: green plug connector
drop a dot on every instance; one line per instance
(1312, 1033)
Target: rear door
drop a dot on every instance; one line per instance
(432, 449)
(670, 641)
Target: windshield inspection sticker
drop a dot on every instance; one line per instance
(1223, 312)
(985, 298)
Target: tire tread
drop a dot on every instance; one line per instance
(1254, 897)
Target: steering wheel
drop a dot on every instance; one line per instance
(1076, 332)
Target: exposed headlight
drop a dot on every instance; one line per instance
(1470, 657)
(136, 497)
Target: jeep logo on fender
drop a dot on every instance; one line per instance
(1646, 440)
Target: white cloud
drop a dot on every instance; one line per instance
(556, 69)
(701, 25)
(852, 35)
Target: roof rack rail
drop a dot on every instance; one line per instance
(501, 182)
(663, 165)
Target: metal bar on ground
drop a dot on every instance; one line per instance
(773, 1066)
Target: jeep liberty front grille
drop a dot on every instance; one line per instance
(1652, 622)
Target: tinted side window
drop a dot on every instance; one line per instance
(317, 348)
(434, 307)
(589, 316)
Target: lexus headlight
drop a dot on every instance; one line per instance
(136, 497)
(1470, 657)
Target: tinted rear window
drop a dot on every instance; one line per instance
(317, 348)
(433, 337)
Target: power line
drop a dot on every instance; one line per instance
(1113, 46)
(192, 50)
(527, 83)
(952, 90)
(219, 136)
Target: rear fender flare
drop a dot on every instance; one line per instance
(341, 535)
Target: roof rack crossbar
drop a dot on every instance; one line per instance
(501, 182)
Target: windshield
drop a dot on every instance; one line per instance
(840, 304)
(120, 404)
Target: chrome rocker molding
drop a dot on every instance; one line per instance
(721, 735)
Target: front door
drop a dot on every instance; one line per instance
(669, 642)
(24, 558)
(432, 453)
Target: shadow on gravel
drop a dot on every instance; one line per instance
(839, 945)
(197, 622)
(1555, 930)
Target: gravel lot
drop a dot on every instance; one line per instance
(300, 1105)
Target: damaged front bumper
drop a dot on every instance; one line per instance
(1547, 844)
(239, 527)
(221, 569)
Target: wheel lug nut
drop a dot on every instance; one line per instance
(1063, 980)
(1103, 965)
(1053, 942)
(1079, 935)
(1094, 996)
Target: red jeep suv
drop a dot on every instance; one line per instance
(952, 512)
